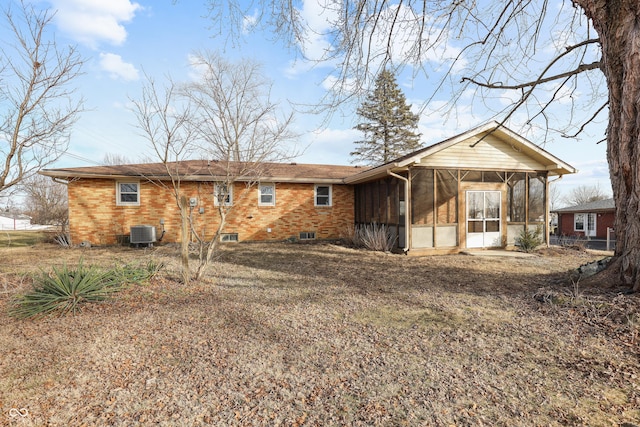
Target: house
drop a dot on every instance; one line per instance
(14, 221)
(306, 202)
(479, 189)
(589, 219)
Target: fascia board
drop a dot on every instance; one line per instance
(191, 178)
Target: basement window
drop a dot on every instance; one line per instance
(229, 237)
(307, 235)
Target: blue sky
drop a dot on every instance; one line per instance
(123, 39)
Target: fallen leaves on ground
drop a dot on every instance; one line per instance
(317, 335)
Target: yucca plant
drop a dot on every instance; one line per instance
(153, 268)
(130, 273)
(64, 290)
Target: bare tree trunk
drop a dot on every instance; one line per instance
(207, 256)
(184, 239)
(617, 24)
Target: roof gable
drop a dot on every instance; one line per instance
(490, 146)
(488, 151)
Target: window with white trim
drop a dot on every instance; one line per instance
(223, 195)
(322, 195)
(578, 222)
(127, 193)
(266, 195)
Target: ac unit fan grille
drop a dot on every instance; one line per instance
(142, 234)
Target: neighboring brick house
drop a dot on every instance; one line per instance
(588, 219)
(478, 189)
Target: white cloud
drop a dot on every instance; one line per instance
(320, 19)
(318, 16)
(319, 38)
(117, 68)
(590, 173)
(249, 22)
(91, 22)
(297, 67)
(197, 70)
(349, 85)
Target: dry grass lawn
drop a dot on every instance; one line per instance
(321, 335)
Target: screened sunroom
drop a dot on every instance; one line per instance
(480, 189)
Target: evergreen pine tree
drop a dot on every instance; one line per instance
(389, 126)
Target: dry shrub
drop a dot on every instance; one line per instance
(374, 237)
(578, 243)
(63, 240)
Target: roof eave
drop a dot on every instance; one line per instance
(600, 210)
(192, 178)
(377, 172)
(559, 170)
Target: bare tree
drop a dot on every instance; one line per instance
(585, 194)
(555, 195)
(38, 104)
(239, 126)
(163, 118)
(225, 116)
(236, 118)
(115, 159)
(45, 200)
(532, 52)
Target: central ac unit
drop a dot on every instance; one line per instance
(142, 234)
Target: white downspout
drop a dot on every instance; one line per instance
(406, 209)
(59, 180)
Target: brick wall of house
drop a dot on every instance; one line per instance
(603, 220)
(565, 224)
(95, 217)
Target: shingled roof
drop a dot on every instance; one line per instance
(597, 206)
(210, 170)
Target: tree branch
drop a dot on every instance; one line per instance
(580, 69)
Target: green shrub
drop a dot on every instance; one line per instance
(64, 290)
(529, 240)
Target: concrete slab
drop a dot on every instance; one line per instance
(496, 253)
